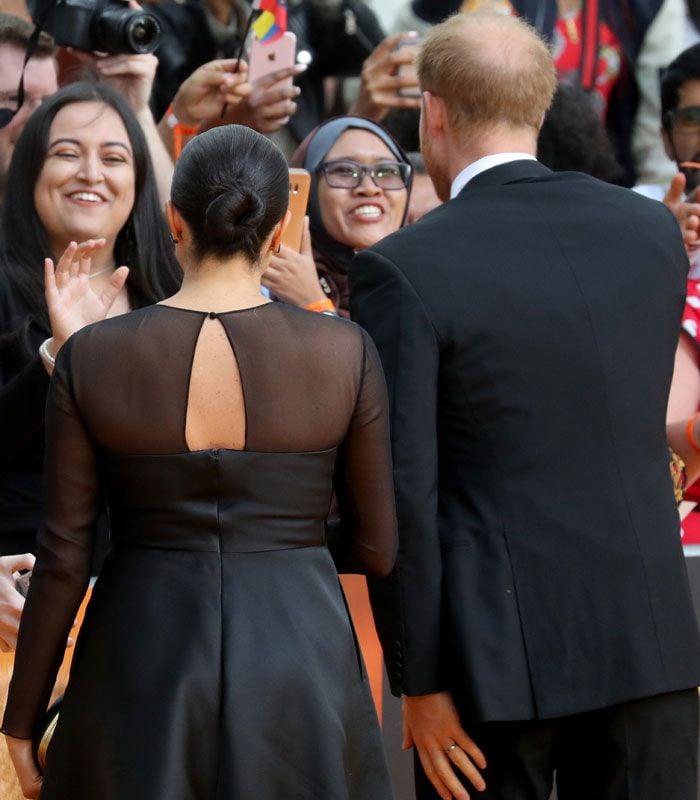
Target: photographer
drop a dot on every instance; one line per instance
(131, 75)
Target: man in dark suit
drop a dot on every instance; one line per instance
(539, 617)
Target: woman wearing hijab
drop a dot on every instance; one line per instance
(360, 185)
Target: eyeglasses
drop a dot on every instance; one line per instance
(346, 174)
(683, 120)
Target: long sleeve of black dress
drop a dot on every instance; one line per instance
(64, 553)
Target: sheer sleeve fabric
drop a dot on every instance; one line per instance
(64, 553)
(364, 539)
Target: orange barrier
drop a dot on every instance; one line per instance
(9, 788)
(355, 588)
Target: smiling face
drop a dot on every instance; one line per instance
(362, 216)
(85, 189)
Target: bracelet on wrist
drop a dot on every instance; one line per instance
(321, 305)
(179, 130)
(690, 433)
(45, 354)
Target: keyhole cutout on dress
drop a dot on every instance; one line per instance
(215, 415)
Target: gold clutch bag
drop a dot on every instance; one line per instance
(42, 738)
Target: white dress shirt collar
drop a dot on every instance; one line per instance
(481, 165)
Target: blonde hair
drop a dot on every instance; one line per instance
(490, 70)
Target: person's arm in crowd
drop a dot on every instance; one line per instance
(132, 76)
(214, 89)
(292, 276)
(11, 601)
(664, 40)
(209, 90)
(684, 397)
(679, 436)
(686, 213)
(387, 73)
(270, 103)
(683, 404)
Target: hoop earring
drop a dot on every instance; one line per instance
(278, 249)
(173, 239)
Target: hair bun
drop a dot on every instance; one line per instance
(235, 213)
(231, 186)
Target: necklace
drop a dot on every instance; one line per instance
(99, 272)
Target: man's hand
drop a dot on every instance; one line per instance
(210, 89)
(270, 104)
(292, 276)
(687, 214)
(11, 601)
(432, 726)
(381, 81)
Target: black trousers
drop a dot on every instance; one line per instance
(642, 750)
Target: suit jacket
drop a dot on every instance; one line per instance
(527, 329)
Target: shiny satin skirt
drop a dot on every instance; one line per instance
(203, 675)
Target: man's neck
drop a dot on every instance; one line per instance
(459, 156)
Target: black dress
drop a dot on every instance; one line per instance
(217, 659)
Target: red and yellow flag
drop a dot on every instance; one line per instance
(272, 23)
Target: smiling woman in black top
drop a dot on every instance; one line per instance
(80, 172)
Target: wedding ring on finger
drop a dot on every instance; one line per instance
(451, 747)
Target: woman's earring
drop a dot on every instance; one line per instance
(278, 249)
(173, 239)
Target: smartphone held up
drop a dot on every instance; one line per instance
(299, 187)
(408, 50)
(268, 57)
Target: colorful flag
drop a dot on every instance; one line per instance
(272, 23)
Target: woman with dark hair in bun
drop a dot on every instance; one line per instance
(216, 659)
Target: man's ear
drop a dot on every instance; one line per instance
(434, 115)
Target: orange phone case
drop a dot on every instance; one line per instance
(299, 186)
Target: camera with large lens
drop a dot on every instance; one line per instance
(106, 26)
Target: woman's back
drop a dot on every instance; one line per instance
(271, 378)
(217, 439)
